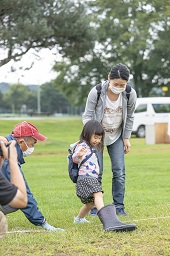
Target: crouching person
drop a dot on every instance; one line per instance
(88, 188)
(14, 192)
(26, 136)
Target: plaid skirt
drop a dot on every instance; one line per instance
(85, 187)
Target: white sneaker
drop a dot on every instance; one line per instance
(48, 227)
(80, 220)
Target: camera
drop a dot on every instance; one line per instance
(1, 153)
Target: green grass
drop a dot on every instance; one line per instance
(146, 200)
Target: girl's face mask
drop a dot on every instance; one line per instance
(29, 151)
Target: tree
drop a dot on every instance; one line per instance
(16, 97)
(52, 101)
(132, 32)
(1, 102)
(37, 24)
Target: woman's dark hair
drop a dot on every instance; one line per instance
(90, 128)
(119, 71)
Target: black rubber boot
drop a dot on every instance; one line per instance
(107, 216)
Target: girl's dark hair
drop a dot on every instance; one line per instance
(119, 71)
(90, 128)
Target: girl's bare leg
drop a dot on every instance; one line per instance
(85, 209)
(98, 200)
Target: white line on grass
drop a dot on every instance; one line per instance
(42, 231)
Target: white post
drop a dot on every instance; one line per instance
(38, 100)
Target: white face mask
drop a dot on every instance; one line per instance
(116, 90)
(29, 151)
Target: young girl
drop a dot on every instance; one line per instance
(88, 188)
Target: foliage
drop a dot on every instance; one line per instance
(1, 98)
(16, 97)
(52, 100)
(27, 24)
(76, 78)
(91, 37)
(132, 32)
(146, 200)
(20, 99)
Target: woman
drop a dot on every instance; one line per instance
(115, 111)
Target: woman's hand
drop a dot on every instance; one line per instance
(127, 146)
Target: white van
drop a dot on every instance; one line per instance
(149, 111)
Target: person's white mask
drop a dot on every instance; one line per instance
(29, 151)
(116, 90)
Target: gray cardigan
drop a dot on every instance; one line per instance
(96, 112)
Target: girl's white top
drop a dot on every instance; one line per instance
(91, 166)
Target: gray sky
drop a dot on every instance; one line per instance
(40, 72)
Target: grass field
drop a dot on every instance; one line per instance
(147, 200)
